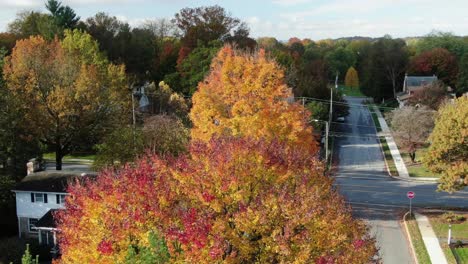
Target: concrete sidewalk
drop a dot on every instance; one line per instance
(430, 240)
(399, 163)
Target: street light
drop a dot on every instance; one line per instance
(327, 131)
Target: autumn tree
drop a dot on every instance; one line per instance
(411, 127)
(448, 151)
(232, 200)
(165, 135)
(352, 78)
(246, 95)
(121, 146)
(438, 61)
(204, 24)
(70, 94)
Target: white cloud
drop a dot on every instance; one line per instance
(290, 2)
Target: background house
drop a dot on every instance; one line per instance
(412, 84)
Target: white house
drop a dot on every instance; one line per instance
(38, 196)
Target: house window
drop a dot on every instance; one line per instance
(32, 225)
(39, 197)
(60, 198)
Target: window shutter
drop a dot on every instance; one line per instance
(45, 197)
(57, 198)
(32, 197)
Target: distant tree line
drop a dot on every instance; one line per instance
(179, 51)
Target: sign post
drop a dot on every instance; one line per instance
(410, 196)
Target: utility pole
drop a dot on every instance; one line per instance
(330, 115)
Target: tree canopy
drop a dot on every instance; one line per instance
(68, 91)
(449, 145)
(246, 95)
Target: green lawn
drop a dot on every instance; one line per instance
(461, 255)
(418, 169)
(71, 157)
(375, 118)
(348, 91)
(418, 243)
(459, 232)
(388, 157)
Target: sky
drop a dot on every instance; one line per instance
(283, 19)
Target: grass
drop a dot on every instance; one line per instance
(375, 118)
(348, 91)
(459, 232)
(388, 157)
(418, 169)
(418, 243)
(71, 157)
(461, 254)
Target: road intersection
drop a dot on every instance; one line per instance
(375, 197)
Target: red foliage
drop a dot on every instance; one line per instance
(183, 53)
(105, 247)
(231, 199)
(437, 61)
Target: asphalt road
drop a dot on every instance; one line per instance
(376, 197)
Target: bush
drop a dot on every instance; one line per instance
(451, 217)
(13, 248)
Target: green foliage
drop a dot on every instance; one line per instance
(318, 111)
(64, 16)
(31, 23)
(157, 251)
(446, 40)
(28, 258)
(6, 195)
(119, 147)
(451, 217)
(340, 60)
(195, 67)
(462, 78)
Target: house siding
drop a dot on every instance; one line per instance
(28, 209)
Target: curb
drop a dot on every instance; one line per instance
(413, 251)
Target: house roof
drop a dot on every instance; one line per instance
(48, 219)
(49, 181)
(419, 80)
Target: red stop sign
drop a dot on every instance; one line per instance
(410, 195)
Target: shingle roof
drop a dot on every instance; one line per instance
(49, 181)
(420, 80)
(48, 219)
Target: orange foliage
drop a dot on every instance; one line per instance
(231, 200)
(246, 95)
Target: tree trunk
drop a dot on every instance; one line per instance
(413, 156)
(58, 157)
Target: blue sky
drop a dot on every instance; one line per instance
(315, 19)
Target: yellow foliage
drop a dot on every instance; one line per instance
(352, 78)
(246, 95)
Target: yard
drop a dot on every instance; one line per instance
(459, 233)
(418, 169)
(78, 157)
